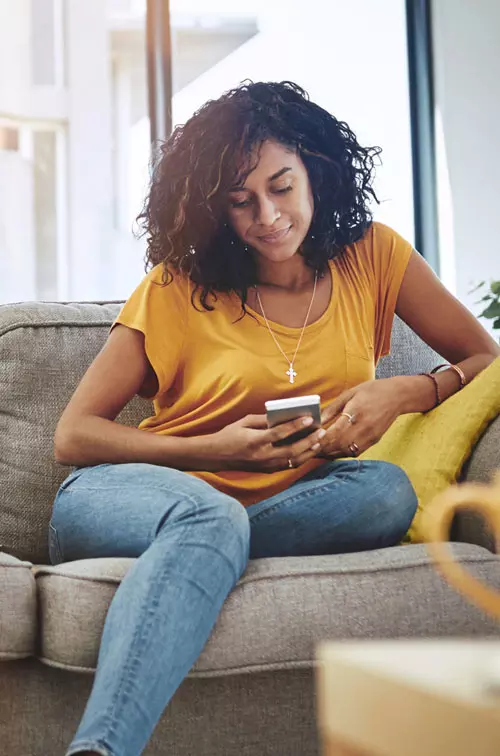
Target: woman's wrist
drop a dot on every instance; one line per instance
(417, 393)
(190, 453)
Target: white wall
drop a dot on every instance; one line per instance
(17, 243)
(90, 187)
(467, 93)
(15, 57)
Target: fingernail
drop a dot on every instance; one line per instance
(315, 447)
(307, 421)
(321, 433)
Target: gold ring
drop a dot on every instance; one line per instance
(354, 449)
(351, 418)
(290, 464)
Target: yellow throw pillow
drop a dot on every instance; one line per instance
(432, 448)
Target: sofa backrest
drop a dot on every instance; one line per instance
(45, 349)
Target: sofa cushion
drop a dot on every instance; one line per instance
(280, 608)
(431, 447)
(44, 351)
(18, 609)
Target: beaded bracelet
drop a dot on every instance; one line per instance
(458, 371)
(436, 388)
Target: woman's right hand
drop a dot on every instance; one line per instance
(248, 444)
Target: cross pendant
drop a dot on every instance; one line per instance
(291, 372)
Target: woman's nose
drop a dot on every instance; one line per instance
(267, 212)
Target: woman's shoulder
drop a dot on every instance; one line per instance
(375, 253)
(164, 284)
(379, 235)
(160, 274)
(379, 242)
(158, 295)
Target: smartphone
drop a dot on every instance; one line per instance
(282, 410)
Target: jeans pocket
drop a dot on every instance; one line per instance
(71, 477)
(54, 546)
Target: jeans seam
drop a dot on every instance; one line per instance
(150, 603)
(57, 545)
(155, 529)
(110, 718)
(88, 745)
(303, 494)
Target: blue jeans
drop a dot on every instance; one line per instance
(192, 544)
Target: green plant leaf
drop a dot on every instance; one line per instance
(479, 286)
(496, 324)
(495, 287)
(492, 311)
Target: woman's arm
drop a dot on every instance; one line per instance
(448, 327)
(443, 323)
(87, 434)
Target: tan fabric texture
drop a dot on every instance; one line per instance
(270, 714)
(44, 351)
(280, 609)
(18, 609)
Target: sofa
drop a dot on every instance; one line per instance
(251, 692)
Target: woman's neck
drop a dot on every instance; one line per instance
(291, 275)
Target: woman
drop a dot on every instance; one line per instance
(268, 279)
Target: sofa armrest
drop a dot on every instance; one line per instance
(485, 458)
(483, 463)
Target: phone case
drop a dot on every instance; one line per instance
(283, 414)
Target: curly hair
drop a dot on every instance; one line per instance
(184, 217)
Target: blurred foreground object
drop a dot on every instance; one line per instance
(436, 525)
(420, 698)
(407, 698)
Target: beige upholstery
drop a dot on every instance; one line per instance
(280, 608)
(18, 609)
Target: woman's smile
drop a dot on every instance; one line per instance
(275, 237)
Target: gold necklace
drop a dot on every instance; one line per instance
(290, 372)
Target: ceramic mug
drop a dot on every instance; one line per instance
(436, 524)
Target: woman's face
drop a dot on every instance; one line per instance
(272, 211)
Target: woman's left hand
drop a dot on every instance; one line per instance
(372, 406)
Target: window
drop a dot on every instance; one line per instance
(74, 148)
(32, 160)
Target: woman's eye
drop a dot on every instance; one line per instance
(284, 190)
(242, 203)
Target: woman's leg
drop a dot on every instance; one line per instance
(191, 544)
(342, 506)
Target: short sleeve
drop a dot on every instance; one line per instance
(390, 254)
(159, 311)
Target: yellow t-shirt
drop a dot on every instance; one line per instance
(213, 371)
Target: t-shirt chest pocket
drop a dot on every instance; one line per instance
(360, 362)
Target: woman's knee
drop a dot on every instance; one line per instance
(232, 528)
(393, 501)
